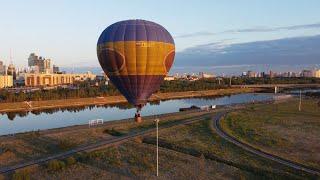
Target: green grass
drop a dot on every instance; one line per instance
(279, 129)
(214, 157)
(199, 137)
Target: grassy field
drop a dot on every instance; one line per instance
(28, 146)
(280, 129)
(131, 160)
(192, 151)
(38, 105)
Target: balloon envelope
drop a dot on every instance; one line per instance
(136, 55)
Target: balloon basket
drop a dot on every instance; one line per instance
(138, 119)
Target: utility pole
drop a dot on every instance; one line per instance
(230, 81)
(157, 127)
(300, 101)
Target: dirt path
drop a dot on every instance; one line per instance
(247, 147)
(101, 144)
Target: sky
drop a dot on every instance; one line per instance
(67, 30)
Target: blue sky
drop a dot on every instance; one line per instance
(67, 31)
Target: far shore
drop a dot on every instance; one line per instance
(50, 104)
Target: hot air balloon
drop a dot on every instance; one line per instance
(136, 55)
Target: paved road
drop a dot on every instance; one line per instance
(223, 134)
(104, 143)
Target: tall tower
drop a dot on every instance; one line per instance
(2, 68)
(11, 69)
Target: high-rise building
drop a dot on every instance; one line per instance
(55, 69)
(2, 68)
(307, 73)
(271, 74)
(47, 65)
(251, 74)
(33, 60)
(205, 75)
(44, 65)
(317, 73)
(12, 71)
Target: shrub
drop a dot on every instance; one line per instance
(21, 175)
(70, 161)
(65, 144)
(56, 165)
(113, 132)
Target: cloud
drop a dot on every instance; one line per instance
(196, 34)
(250, 30)
(213, 47)
(296, 50)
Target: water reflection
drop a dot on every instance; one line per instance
(303, 90)
(14, 122)
(123, 106)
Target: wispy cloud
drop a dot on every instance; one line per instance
(250, 30)
(217, 46)
(196, 34)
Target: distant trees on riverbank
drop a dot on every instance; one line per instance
(85, 89)
(277, 80)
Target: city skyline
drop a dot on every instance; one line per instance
(69, 37)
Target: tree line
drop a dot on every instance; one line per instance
(86, 89)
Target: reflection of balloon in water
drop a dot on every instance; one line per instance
(136, 55)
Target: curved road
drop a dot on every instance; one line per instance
(103, 143)
(117, 140)
(224, 135)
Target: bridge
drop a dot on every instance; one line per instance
(277, 85)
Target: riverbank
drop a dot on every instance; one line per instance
(188, 148)
(50, 104)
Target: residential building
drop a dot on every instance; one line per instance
(251, 74)
(2, 68)
(55, 69)
(44, 65)
(205, 75)
(169, 78)
(307, 73)
(12, 71)
(272, 74)
(6, 81)
(47, 66)
(317, 73)
(50, 79)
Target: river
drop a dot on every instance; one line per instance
(11, 123)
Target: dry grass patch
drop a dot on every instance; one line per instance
(280, 129)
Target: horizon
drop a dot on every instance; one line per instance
(69, 38)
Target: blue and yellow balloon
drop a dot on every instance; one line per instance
(136, 55)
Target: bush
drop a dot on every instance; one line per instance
(56, 165)
(21, 175)
(113, 132)
(70, 161)
(65, 144)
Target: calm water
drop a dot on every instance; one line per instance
(303, 91)
(28, 121)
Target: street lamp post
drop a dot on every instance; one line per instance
(157, 129)
(300, 100)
